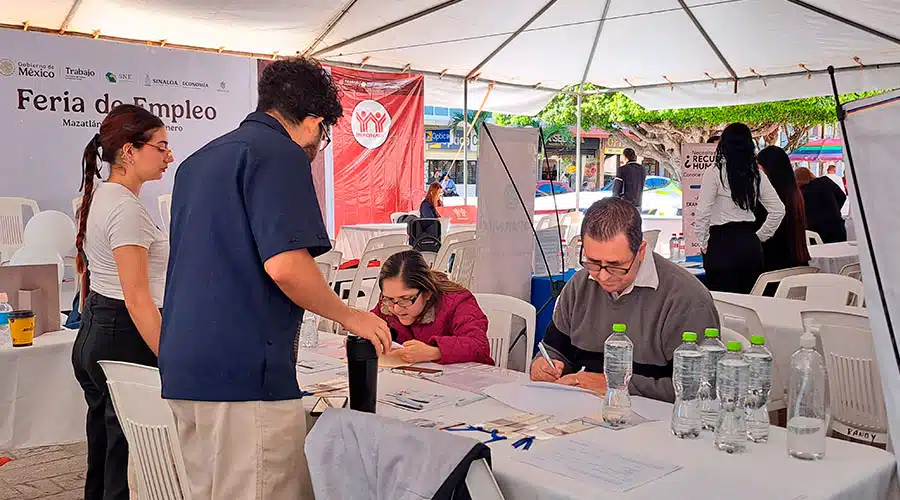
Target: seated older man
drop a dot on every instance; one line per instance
(622, 282)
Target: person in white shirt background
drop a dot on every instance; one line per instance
(724, 224)
(122, 258)
(832, 174)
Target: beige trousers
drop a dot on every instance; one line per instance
(244, 451)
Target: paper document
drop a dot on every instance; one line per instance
(416, 401)
(557, 387)
(329, 386)
(310, 366)
(584, 462)
(478, 378)
(560, 404)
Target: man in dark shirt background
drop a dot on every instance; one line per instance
(246, 226)
(630, 177)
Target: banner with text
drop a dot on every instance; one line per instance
(379, 145)
(57, 90)
(695, 159)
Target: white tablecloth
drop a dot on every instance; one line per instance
(832, 257)
(351, 241)
(848, 471)
(41, 403)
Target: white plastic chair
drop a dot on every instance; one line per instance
(12, 223)
(852, 271)
(746, 323)
(76, 205)
(573, 221)
(729, 335)
(386, 240)
(573, 252)
(813, 238)
(333, 260)
(380, 255)
(652, 238)
(776, 276)
(463, 269)
(854, 384)
(548, 221)
(823, 290)
(165, 210)
(396, 215)
(500, 310)
(149, 428)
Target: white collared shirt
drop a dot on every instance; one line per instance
(647, 276)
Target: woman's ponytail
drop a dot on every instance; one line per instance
(90, 171)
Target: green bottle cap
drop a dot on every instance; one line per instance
(758, 340)
(689, 337)
(619, 328)
(734, 346)
(711, 333)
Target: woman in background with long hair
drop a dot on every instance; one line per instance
(729, 193)
(787, 247)
(433, 199)
(122, 258)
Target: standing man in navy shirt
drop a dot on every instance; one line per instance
(245, 229)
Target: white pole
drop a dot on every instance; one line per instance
(465, 143)
(578, 154)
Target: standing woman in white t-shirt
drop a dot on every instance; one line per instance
(725, 220)
(122, 258)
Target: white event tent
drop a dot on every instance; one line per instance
(663, 53)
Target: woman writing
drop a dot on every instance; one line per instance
(729, 193)
(122, 259)
(823, 199)
(434, 318)
(787, 247)
(434, 199)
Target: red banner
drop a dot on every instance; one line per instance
(379, 145)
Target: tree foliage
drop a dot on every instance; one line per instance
(659, 134)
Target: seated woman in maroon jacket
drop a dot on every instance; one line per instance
(434, 318)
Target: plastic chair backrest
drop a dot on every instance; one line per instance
(442, 261)
(374, 297)
(500, 310)
(165, 210)
(333, 259)
(396, 215)
(12, 223)
(765, 279)
(327, 272)
(822, 290)
(462, 268)
(852, 271)
(149, 428)
(652, 238)
(547, 221)
(813, 238)
(386, 240)
(854, 382)
(746, 323)
(573, 220)
(574, 253)
(481, 483)
(728, 335)
(380, 255)
(76, 205)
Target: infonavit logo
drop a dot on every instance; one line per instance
(7, 67)
(371, 124)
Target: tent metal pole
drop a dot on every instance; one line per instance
(587, 66)
(511, 38)
(69, 16)
(711, 44)
(465, 143)
(329, 27)
(388, 26)
(578, 175)
(844, 20)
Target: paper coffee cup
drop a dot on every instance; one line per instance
(21, 328)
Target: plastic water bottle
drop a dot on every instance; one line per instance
(618, 357)
(687, 363)
(760, 360)
(5, 309)
(731, 426)
(673, 248)
(712, 349)
(807, 410)
(309, 331)
(682, 255)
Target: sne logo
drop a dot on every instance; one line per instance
(371, 124)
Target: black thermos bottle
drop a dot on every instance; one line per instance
(362, 368)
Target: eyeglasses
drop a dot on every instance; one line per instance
(325, 134)
(403, 302)
(612, 270)
(162, 149)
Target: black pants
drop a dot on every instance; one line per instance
(107, 333)
(734, 258)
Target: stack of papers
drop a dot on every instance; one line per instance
(310, 366)
(417, 401)
(559, 401)
(328, 386)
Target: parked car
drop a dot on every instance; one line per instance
(559, 187)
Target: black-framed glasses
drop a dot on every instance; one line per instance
(403, 302)
(325, 133)
(612, 270)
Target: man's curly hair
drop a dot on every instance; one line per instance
(297, 87)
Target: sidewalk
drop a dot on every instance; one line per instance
(45, 473)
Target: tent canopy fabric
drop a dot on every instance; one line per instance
(666, 53)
